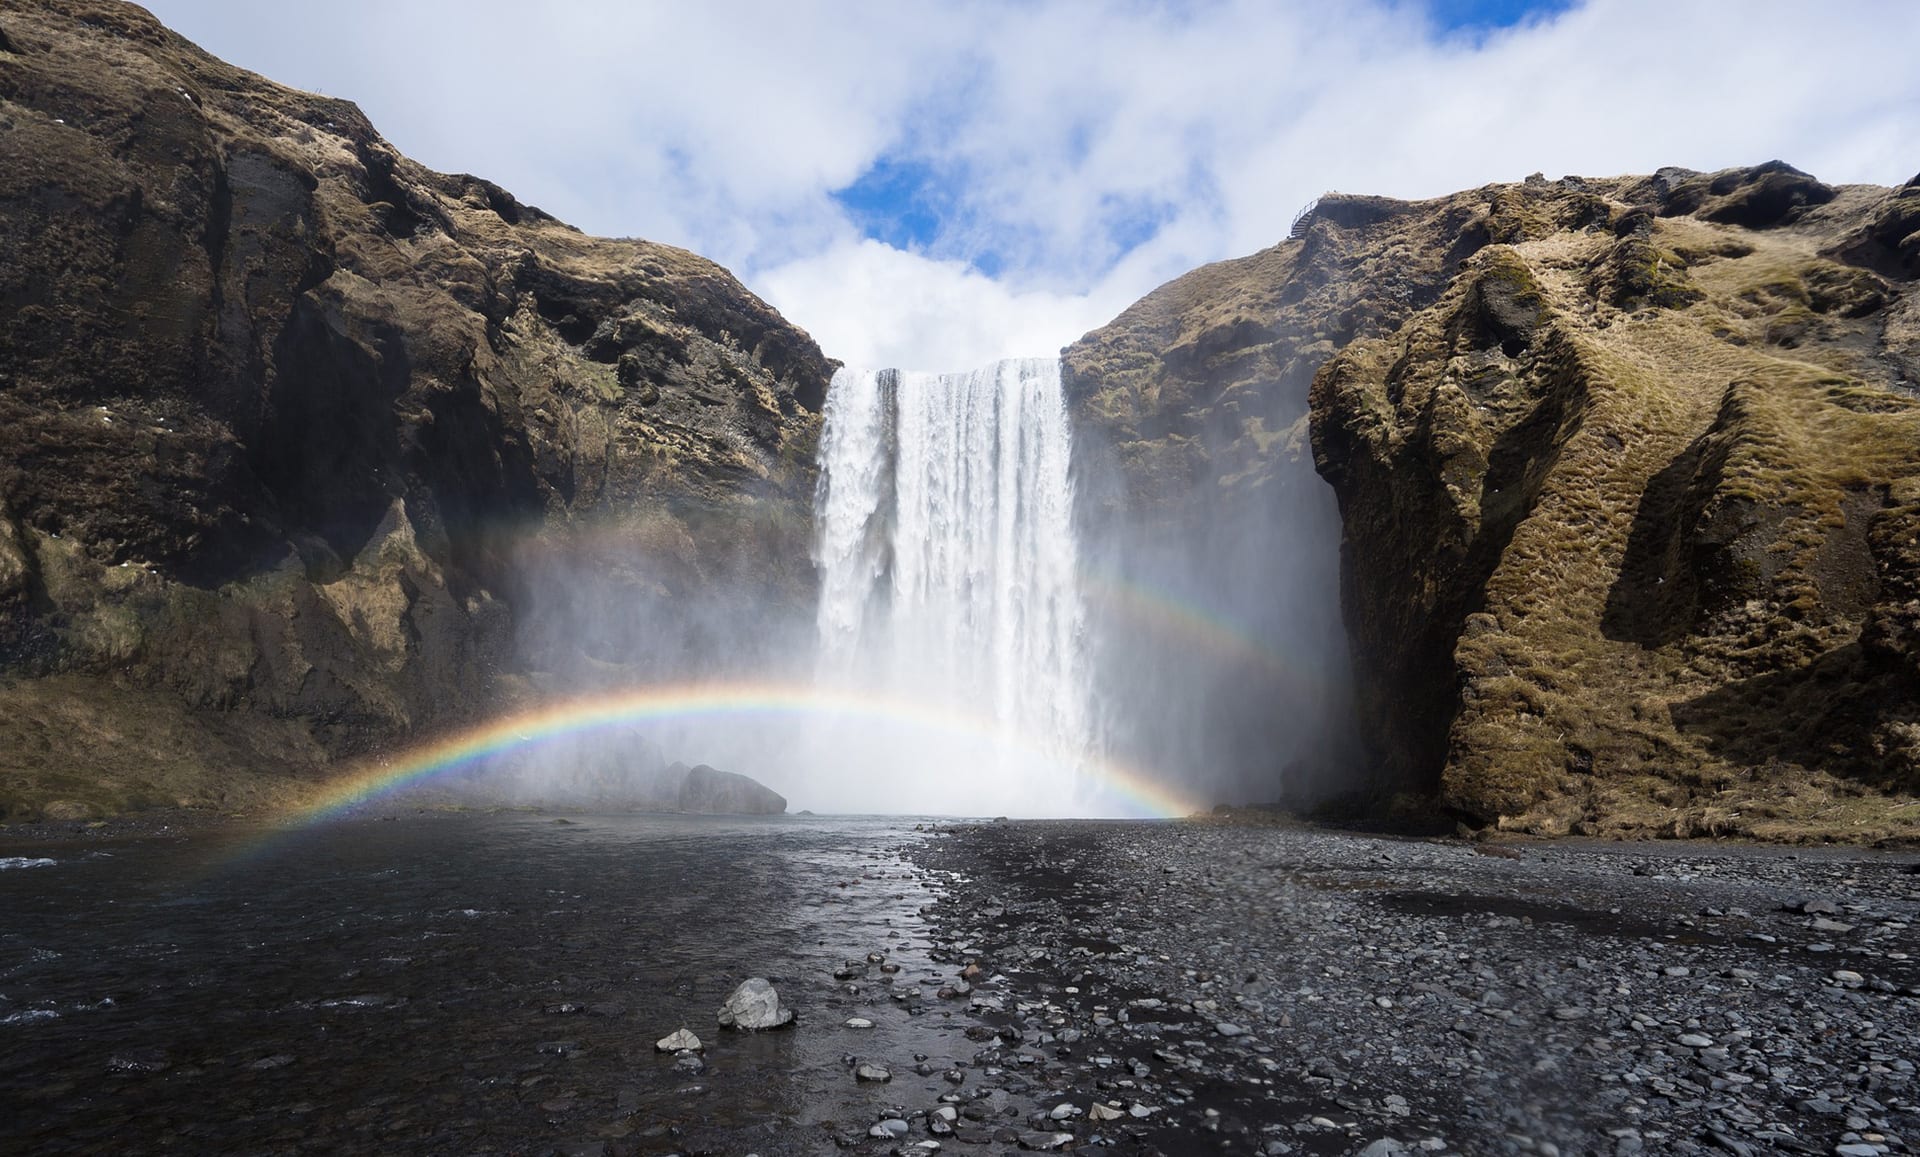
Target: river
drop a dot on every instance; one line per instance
(460, 983)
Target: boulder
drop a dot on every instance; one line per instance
(754, 1006)
(709, 791)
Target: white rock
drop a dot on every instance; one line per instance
(677, 1040)
(754, 1005)
(859, 1022)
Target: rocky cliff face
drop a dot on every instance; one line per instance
(296, 436)
(1629, 480)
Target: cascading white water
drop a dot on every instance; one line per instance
(949, 578)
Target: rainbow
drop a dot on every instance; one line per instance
(1138, 793)
(1197, 627)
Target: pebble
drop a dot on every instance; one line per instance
(1151, 991)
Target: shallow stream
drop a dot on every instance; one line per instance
(460, 983)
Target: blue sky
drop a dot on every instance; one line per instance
(1480, 16)
(937, 184)
(908, 201)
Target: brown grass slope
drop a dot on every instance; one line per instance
(290, 426)
(1629, 475)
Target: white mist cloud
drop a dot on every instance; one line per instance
(870, 304)
(1089, 152)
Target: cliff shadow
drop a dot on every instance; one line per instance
(1694, 547)
(1841, 713)
(1653, 600)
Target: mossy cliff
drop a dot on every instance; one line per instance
(293, 431)
(1629, 481)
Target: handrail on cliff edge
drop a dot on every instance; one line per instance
(1303, 219)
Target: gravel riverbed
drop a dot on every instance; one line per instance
(496, 984)
(1194, 987)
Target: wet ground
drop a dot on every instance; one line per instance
(448, 984)
(495, 983)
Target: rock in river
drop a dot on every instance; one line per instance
(754, 1005)
(679, 1039)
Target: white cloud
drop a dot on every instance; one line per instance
(1096, 151)
(870, 304)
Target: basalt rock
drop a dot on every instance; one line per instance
(1626, 473)
(298, 438)
(708, 790)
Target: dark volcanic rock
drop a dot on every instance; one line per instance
(296, 435)
(1625, 472)
(1209, 987)
(707, 790)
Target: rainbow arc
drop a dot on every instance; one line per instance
(1108, 782)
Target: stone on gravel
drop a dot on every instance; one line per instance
(754, 1006)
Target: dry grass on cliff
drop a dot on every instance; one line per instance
(1789, 436)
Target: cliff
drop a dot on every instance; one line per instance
(297, 437)
(1628, 474)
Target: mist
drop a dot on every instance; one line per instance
(1220, 654)
(968, 616)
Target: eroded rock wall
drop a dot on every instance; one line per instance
(1626, 474)
(299, 440)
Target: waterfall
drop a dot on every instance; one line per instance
(949, 577)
